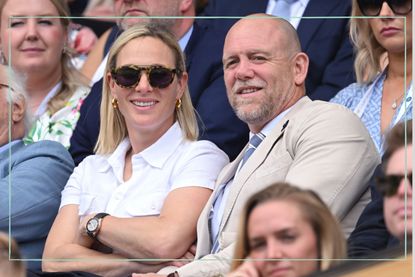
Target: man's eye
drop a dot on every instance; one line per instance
(16, 23)
(230, 63)
(258, 58)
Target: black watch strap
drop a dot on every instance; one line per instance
(101, 215)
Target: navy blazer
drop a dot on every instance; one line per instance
(218, 123)
(326, 41)
(38, 174)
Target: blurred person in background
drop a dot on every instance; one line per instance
(39, 51)
(285, 223)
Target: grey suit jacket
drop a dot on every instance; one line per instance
(38, 173)
(317, 145)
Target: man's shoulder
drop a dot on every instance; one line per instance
(45, 148)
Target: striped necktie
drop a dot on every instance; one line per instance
(254, 142)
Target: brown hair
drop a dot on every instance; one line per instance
(330, 238)
(399, 136)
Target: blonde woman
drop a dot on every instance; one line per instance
(290, 225)
(141, 194)
(35, 46)
(382, 96)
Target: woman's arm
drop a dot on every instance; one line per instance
(64, 253)
(166, 236)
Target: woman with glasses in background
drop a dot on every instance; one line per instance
(293, 227)
(140, 196)
(382, 95)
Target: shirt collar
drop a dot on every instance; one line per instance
(44, 104)
(185, 39)
(156, 154)
(270, 125)
(159, 152)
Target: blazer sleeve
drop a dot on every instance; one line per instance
(335, 160)
(38, 174)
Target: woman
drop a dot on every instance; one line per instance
(150, 178)
(35, 46)
(286, 222)
(381, 97)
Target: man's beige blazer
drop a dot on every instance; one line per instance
(317, 145)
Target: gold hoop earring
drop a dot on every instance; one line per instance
(178, 103)
(114, 103)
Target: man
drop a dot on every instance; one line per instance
(315, 145)
(31, 177)
(203, 62)
(324, 40)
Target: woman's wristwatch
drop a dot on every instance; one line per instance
(173, 274)
(94, 224)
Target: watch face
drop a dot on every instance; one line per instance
(92, 225)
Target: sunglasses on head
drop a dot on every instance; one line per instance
(129, 76)
(373, 7)
(388, 185)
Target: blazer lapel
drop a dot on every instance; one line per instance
(257, 159)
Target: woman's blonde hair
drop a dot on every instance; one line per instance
(330, 239)
(71, 78)
(369, 53)
(112, 127)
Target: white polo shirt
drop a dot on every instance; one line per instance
(172, 162)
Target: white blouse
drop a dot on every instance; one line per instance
(172, 162)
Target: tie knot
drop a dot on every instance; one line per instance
(256, 140)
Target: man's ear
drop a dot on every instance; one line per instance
(185, 5)
(18, 111)
(300, 68)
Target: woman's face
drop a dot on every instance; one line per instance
(390, 32)
(395, 207)
(146, 108)
(36, 43)
(277, 230)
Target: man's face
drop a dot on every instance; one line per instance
(4, 107)
(140, 9)
(258, 71)
(395, 207)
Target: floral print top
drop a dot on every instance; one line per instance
(58, 127)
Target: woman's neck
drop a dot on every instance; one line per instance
(38, 87)
(396, 66)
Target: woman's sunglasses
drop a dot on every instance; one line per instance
(373, 7)
(129, 76)
(388, 185)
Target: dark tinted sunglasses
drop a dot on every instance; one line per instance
(128, 76)
(388, 185)
(373, 7)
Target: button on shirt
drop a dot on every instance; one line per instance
(172, 162)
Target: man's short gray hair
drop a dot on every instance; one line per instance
(17, 93)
